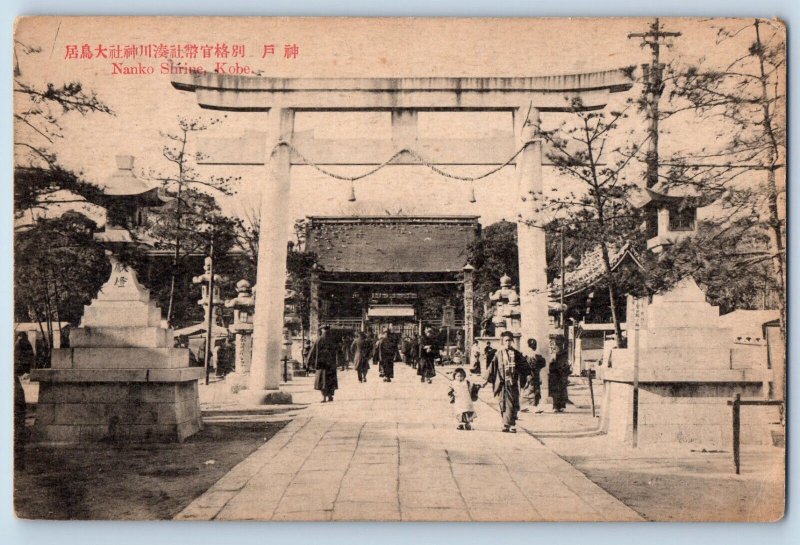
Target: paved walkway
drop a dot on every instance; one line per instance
(390, 451)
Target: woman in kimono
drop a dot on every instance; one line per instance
(558, 373)
(508, 373)
(323, 358)
(360, 356)
(384, 355)
(429, 349)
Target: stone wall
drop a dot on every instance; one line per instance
(124, 411)
(688, 368)
(687, 413)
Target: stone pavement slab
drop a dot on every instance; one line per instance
(391, 451)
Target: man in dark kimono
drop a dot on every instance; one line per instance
(488, 353)
(558, 373)
(537, 363)
(226, 358)
(323, 359)
(508, 372)
(385, 353)
(369, 345)
(23, 363)
(414, 349)
(360, 356)
(429, 349)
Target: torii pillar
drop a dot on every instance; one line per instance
(272, 249)
(533, 292)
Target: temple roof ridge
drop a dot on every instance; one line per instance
(590, 269)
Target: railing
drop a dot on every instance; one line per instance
(737, 403)
(343, 323)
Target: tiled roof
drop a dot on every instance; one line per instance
(591, 269)
(664, 193)
(396, 244)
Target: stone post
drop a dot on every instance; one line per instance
(530, 238)
(265, 368)
(469, 315)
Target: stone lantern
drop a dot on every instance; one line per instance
(243, 305)
(127, 199)
(122, 379)
(216, 300)
(670, 214)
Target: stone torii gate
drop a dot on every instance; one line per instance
(525, 97)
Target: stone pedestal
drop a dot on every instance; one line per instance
(506, 315)
(121, 379)
(689, 368)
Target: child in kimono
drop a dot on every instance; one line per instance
(461, 397)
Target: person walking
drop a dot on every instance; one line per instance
(323, 357)
(385, 352)
(429, 349)
(369, 345)
(414, 351)
(344, 355)
(461, 397)
(537, 363)
(23, 363)
(306, 351)
(558, 373)
(508, 373)
(201, 354)
(488, 353)
(226, 358)
(360, 356)
(475, 357)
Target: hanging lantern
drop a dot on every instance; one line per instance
(352, 192)
(472, 193)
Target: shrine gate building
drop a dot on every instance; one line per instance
(399, 270)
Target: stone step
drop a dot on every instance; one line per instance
(249, 418)
(249, 410)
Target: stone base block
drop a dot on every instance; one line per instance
(269, 397)
(696, 414)
(118, 376)
(122, 313)
(749, 357)
(120, 358)
(143, 337)
(87, 412)
(236, 382)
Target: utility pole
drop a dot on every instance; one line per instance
(210, 316)
(654, 86)
(564, 329)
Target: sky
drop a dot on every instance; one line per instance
(146, 106)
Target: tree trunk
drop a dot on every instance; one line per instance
(777, 246)
(612, 296)
(176, 255)
(41, 329)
